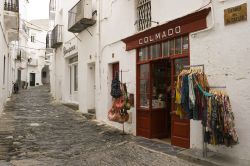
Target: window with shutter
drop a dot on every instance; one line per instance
(143, 14)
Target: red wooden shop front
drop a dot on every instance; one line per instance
(162, 51)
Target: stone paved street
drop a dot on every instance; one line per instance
(35, 131)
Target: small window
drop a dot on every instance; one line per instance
(32, 39)
(143, 54)
(155, 51)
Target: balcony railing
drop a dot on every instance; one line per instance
(56, 36)
(80, 16)
(11, 5)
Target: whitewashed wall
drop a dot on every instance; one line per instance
(225, 53)
(4, 87)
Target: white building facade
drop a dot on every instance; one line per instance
(112, 36)
(39, 62)
(9, 20)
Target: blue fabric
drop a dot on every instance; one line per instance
(185, 96)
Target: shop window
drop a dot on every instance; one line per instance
(144, 85)
(172, 47)
(185, 45)
(178, 45)
(143, 14)
(165, 49)
(155, 51)
(32, 39)
(143, 54)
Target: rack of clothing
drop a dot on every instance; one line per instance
(121, 103)
(196, 100)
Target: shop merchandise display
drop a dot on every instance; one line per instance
(194, 100)
(115, 88)
(118, 112)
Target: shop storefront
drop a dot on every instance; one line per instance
(70, 52)
(162, 51)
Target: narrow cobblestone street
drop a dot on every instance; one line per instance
(36, 131)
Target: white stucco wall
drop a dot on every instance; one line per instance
(5, 83)
(225, 53)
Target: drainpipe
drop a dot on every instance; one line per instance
(99, 40)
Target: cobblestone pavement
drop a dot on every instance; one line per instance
(35, 131)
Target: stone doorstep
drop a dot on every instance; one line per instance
(73, 106)
(213, 158)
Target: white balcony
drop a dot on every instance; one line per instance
(33, 62)
(80, 16)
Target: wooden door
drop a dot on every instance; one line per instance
(180, 127)
(115, 69)
(32, 79)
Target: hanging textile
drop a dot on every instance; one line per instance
(220, 126)
(194, 100)
(189, 100)
(115, 88)
(118, 112)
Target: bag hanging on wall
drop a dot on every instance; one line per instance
(115, 88)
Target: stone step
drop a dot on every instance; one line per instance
(91, 111)
(89, 116)
(71, 105)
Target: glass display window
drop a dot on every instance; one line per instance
(144, 85)
(155, 51)
(165, 49)
(143, 54)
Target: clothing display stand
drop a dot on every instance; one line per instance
(204, 144)
(121, 83)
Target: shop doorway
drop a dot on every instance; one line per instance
(158, 67)
(161, 99)
(32, 79)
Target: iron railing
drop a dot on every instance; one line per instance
(56, 36)
(11, 5)
(80, 16)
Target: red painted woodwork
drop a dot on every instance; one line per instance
(115, 69)
(180, 132)
(180, 135)
(157, 123)
(190, 23)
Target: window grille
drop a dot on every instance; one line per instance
(143, 14)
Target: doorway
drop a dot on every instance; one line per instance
(158, 67)
(91, 88)
(32, 79)
(161, 99)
